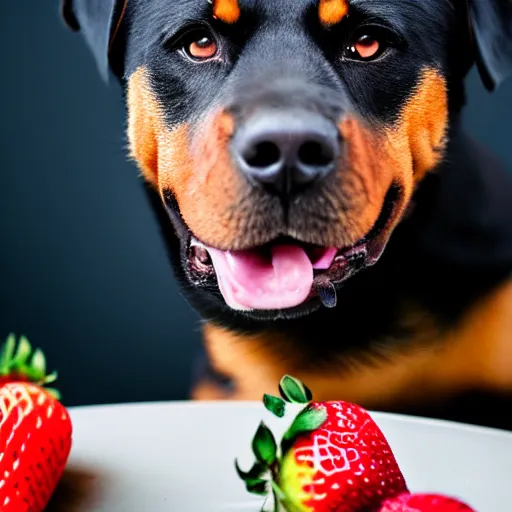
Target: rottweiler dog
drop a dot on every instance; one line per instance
(323, 208)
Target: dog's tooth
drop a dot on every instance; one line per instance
(194, 242)
(357, 252)
(199, 251)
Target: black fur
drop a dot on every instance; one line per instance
(487, 20)
(456, 245)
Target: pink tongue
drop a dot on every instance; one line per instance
(248, 280)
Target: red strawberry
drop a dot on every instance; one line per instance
(333, 458)
(424, 503)
(35, 430)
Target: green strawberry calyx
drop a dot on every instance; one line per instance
(19, 362)
(262, 478)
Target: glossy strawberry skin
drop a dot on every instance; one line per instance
(345, 466)
(35, 442)
(424, 503)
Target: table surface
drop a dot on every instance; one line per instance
(169, 457)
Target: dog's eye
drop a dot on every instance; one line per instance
(366, 47)
(200, 45)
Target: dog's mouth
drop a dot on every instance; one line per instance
(286, 273)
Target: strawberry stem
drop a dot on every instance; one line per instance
(263, 477)
(264, 446)
(294, 391)
(275, 405)
(19, 362)
(257, 471)
(309, 419)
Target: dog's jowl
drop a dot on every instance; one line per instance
(323, 209)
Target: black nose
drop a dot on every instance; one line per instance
(286, 151)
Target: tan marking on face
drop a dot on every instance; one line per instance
(222, 209)
(227, 11)
(331, 12)
(367, 174)
(199, 172)
(475, 355)
(144, 126)
(401, 154)
(418, 139)
(203, 179)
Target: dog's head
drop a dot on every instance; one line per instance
(286, 138)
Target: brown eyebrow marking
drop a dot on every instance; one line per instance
(332, 12)
(227, 11)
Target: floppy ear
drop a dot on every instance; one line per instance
(99, 22)
(491, 23)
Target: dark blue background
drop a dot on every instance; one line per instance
(83, 271)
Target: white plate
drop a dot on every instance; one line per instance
(179, 457)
